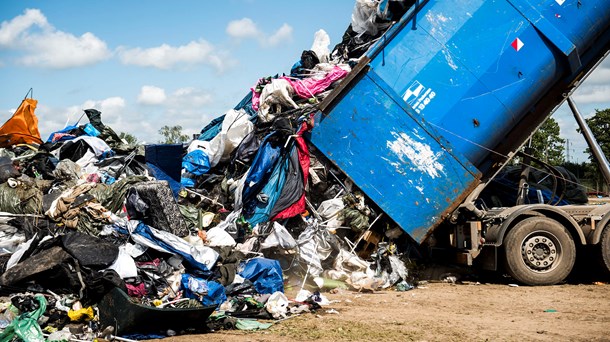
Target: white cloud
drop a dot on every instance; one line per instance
(592, 94)
(190, 98)
(112, 108)
(151, 95)
(10, 31)
(283, 34)
(168, 57)
(44, 46)
(245, 28)
(601, 75)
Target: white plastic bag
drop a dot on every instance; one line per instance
(321, 41)
(329, 211)
(218, 237)
(124, 264)
(279, 237)
(277, 305)
(279, 91)
(235, 126)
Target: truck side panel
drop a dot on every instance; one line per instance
(486, 61)
(393, 156)
(450, 84)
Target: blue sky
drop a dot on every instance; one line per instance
(146, 64)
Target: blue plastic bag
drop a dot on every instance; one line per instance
(206, 291)
(265, 274)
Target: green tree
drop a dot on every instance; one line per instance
(547, 144)
(600, 127)
(129, 138)
(173, 135)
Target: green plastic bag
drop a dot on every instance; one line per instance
(25, 326)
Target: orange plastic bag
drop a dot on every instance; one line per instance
(22, 127)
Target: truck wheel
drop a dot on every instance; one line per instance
(539, 251)
(604, 250)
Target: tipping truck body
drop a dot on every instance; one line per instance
(444, 100)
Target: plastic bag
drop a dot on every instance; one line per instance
(329, 211)
(279, 237)
(363, 17)
(124, 265)
(279, 91)
(321, 41)
(26, 325)
(84, 314)
(196, 162)
(235, 127)
(207, 292)
(218, 237)
(277, 305)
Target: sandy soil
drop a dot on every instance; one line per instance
(447, 312)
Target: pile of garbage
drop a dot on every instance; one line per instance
(101, 238)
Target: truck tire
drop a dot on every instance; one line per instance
(604, 250)
(539, 251)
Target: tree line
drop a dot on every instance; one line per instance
(549, 147)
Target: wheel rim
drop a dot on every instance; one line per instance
(541, 251)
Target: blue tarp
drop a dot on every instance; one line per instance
(145, 231)
(211, 130)
(65, 130)
(90, 130)
(167, 157)
(261, 169)
(196, 163)
(208, 292)
(265, 274)
(160, 174)
(258, 208)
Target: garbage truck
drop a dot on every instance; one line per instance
(445, 99)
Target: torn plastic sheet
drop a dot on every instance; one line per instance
(250, 325)
(218, 237)
(26, 325)
(124, 265)
(18, 254)
(399, 271)
(309, 87)
(320, 45)
(279, 236)
(329, 211)
(265, 274)
(365, 14)
(278, 92)
(314, 247)
(196, 162)
(199, 257)
(97, 146)
(228, 224)
(207, 292)
(10, 238)
(277, 305)
(235, 127)
(354, 271)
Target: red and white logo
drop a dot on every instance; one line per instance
(517, 44)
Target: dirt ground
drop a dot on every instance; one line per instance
(486, 310)
(449, 312)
